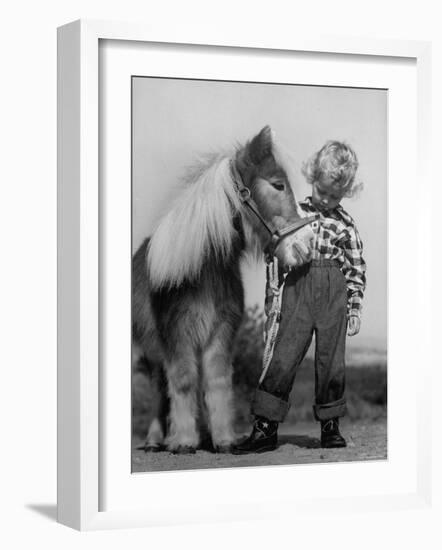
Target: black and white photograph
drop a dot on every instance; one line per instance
(220, 283)
(259, 274)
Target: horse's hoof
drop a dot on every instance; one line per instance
(152, 448)
(183, 450)
(223, 449)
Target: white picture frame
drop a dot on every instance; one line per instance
(79, 438)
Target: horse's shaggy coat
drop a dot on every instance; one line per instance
(188, 296)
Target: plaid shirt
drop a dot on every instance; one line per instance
(338, 239)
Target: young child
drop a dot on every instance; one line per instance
(322, 298)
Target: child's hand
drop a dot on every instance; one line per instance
(354, 325)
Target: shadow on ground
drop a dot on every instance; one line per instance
(297, 444)
(303, 441)
(49, 511)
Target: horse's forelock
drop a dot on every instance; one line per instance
(286, 160)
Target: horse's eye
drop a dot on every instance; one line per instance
(278, 186)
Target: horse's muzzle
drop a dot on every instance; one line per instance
(296, 249)
(303, 244)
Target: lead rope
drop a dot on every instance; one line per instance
(273, 316)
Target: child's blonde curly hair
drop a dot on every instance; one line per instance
(338, 161)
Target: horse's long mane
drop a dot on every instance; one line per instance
(199, 223)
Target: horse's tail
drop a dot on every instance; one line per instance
(140, 289)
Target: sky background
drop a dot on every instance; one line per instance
(175, 120)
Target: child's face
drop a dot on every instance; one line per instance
(326, 195)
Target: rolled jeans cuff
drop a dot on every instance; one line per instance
(269, 406)
(334, 409)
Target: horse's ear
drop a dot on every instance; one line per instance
(261, 145)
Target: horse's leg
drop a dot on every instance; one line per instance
(182, 377)
(157, 429)
(217, 372)
(154, 436)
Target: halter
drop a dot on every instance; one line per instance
(276, 235)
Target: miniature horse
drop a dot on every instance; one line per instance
(188, 296)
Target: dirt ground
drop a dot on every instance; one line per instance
(298, 444)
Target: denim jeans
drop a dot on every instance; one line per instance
(314, 301)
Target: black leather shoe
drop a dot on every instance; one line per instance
(264, 437)
(330, 435)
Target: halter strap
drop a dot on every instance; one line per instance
(276, 235)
